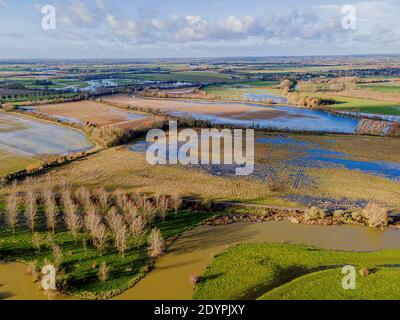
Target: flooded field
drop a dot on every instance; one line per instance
(83, 112)
(249, 114)
(312, 155)
(23, 136)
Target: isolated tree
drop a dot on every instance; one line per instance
(12, 210)
(30, 211)
(50, 209)
(156, 243)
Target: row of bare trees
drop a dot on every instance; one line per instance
(116, 218)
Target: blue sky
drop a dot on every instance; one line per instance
(186, 28)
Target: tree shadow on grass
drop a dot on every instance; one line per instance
(282, 277)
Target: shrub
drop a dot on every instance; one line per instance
(375, 215)
(314, 213)
(194, 279)
(37, 241)
(8, 107)
(364, 272)
(103, 272)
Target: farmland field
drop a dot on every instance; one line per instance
(87, 112)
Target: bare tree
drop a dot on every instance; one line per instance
(148, 211)
(30, 211)
(91, 220)
(119, 229)
(176, 202)
(121, 198)
(130, 211)
(137, 228)
(156, 243)
(100, 236)
(84, 197)
(50, 209)
(162, 205)
(12, 210)
(71, 215)
(103, 198)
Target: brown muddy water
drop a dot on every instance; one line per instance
(192, 252)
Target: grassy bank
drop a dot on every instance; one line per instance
(252, 271)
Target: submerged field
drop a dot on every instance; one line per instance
(304, 170)
(246, 114)
(23, 139)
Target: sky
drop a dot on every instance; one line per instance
(129, 29)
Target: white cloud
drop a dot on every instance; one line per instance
(100, 4)
(128, 28)
(81, 12)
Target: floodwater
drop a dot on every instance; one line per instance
(16, 284)
(194, 251)
(29, 137)
(293, 118)
(311, 155)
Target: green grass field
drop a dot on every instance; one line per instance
(388, 88)
(236, 91)
(10, 163)
(279, 271)
(367, 106)
(381, 284)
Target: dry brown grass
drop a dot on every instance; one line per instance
(338, 183)
(121, 168)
